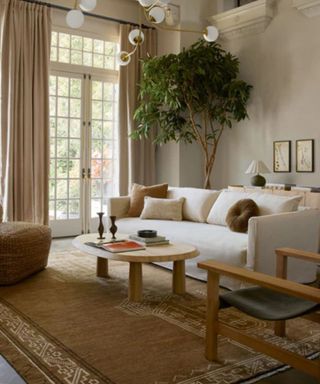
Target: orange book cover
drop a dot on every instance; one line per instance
(123, 246)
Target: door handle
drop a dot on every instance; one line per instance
(89, 173)
(83, 173)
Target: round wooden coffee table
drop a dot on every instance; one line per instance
(177, 253)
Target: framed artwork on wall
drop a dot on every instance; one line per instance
(305, 155)
(282, 156)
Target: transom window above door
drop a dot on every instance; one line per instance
(85, 51)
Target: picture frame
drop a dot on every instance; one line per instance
(305, 155)
(282, 156)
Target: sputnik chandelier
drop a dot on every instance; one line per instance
(155, 12)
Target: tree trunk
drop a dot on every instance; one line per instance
(208, 169)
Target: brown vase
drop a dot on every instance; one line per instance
(113, 228)
(101, 227)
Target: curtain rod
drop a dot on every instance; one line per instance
(114, 20)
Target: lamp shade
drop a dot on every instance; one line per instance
(136, 37)
(87, 5)
(211, 33)
(75, 18)
(256, 167)
(146, 3)
(157, 15)
(123, 58)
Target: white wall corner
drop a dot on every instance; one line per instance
(309, 8)
(248, 19)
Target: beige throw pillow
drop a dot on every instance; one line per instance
(197, 204)
(162, 209)
(138, 193)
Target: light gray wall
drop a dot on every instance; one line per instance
(283, 65)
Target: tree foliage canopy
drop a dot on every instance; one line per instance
(191, 96)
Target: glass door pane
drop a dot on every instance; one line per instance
(66, 105)
(103, 147)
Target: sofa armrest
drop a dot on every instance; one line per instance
(118, 206)
(300, 229)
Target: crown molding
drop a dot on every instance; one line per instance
(309, 8)
(248, 19)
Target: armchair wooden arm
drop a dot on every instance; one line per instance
(271, 282)
(298, 254)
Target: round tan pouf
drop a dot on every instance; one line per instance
(24, 250)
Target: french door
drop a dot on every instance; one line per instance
(84, 155)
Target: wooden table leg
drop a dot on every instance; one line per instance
(102, 267)
(211, 351)
(135, 282)
(179, 277)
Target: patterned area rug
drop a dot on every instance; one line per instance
(65, 325)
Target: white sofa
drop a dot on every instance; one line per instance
(252, 250)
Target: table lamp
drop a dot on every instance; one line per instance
(256, 167)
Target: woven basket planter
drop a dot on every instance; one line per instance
(24, 250)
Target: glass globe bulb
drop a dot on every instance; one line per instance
(75, 18)
(211, 34)
(123, 58)
(87, 5)
(136, 37)
(146, 3)
(157, 15)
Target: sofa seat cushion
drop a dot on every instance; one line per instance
(212, 241)
(198, 202)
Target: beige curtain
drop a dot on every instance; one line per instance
(137, 157)
(25, 111)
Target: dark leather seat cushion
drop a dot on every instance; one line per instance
(267, 304)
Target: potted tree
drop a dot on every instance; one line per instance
(192, 96)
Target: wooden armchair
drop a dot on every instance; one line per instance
(275, 299)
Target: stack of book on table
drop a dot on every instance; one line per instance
(117, 246)
(150, 241)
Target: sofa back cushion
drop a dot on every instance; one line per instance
(138, 193)
(198, 202)
(268, 204)
(162, 209)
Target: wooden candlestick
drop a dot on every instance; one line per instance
(113, 228)
(101, 226)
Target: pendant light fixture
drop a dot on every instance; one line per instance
(155, 12)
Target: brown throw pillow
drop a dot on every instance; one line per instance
(239, 214)
(138, 193)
